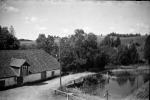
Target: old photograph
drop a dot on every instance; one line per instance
(74, 50)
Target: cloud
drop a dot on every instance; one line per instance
(65, 30)
(42, 28)
(7, 8)
(31, 19)
(131, 30)
(142, 27)
(112, 28)
(11, 9)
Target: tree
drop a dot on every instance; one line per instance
(123, 56)
(108, 41)
(101, 59)
(117, 42)
(41, 41)
(48, 44)
(12, 30)
(147, 49)
(8, 40)
(133, 54)
(91, 41)
(127, 54)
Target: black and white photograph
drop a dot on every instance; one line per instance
(74, 50)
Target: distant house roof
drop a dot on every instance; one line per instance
(17, 62)
(38, 60)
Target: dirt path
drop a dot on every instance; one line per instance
(40, 91)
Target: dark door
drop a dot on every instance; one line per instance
(43, 75)
(2, 84)
(19, 80)
(52, 73)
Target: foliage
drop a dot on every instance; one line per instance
(7, 39)
(47, 43)
(90, 80)
(147, 49)
(81, 52)
(124, 35)
(101, 59)
(119, 53)
(111, 41)
(133, 54)
(127, 54)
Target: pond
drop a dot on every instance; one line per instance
(118, 85)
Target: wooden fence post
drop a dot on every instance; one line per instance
(67, 96)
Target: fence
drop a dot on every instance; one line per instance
(69, 96)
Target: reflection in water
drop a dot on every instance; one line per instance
(122, 81)
(132, 80)
(119, 87)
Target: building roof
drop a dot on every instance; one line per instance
(38, 60)
(17, 62)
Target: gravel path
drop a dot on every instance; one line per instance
(40, 91)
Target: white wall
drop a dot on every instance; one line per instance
(57, 72)
(32, 78)
(48, 74)
(10, 81)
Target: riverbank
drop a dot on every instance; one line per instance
(141, 94)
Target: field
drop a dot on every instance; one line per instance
(27, 42)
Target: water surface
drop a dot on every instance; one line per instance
(118, 85)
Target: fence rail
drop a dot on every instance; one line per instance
(69, 95)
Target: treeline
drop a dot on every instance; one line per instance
(8, 41)
(80, 51)
(118, 53)
(124, 35)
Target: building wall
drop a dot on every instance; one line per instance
(48, 74)
(52, 73)
(32, 78)
(10, 81)
(57, 72)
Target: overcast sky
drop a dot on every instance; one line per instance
(62, 17)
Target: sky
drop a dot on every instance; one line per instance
(61, 17)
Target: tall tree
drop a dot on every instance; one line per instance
(117, 42)
(133, 54)
(147, 49)
(48, 44)
(12, 30)
(7, 40)
(123, 56)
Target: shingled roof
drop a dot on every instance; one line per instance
(38, 60)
